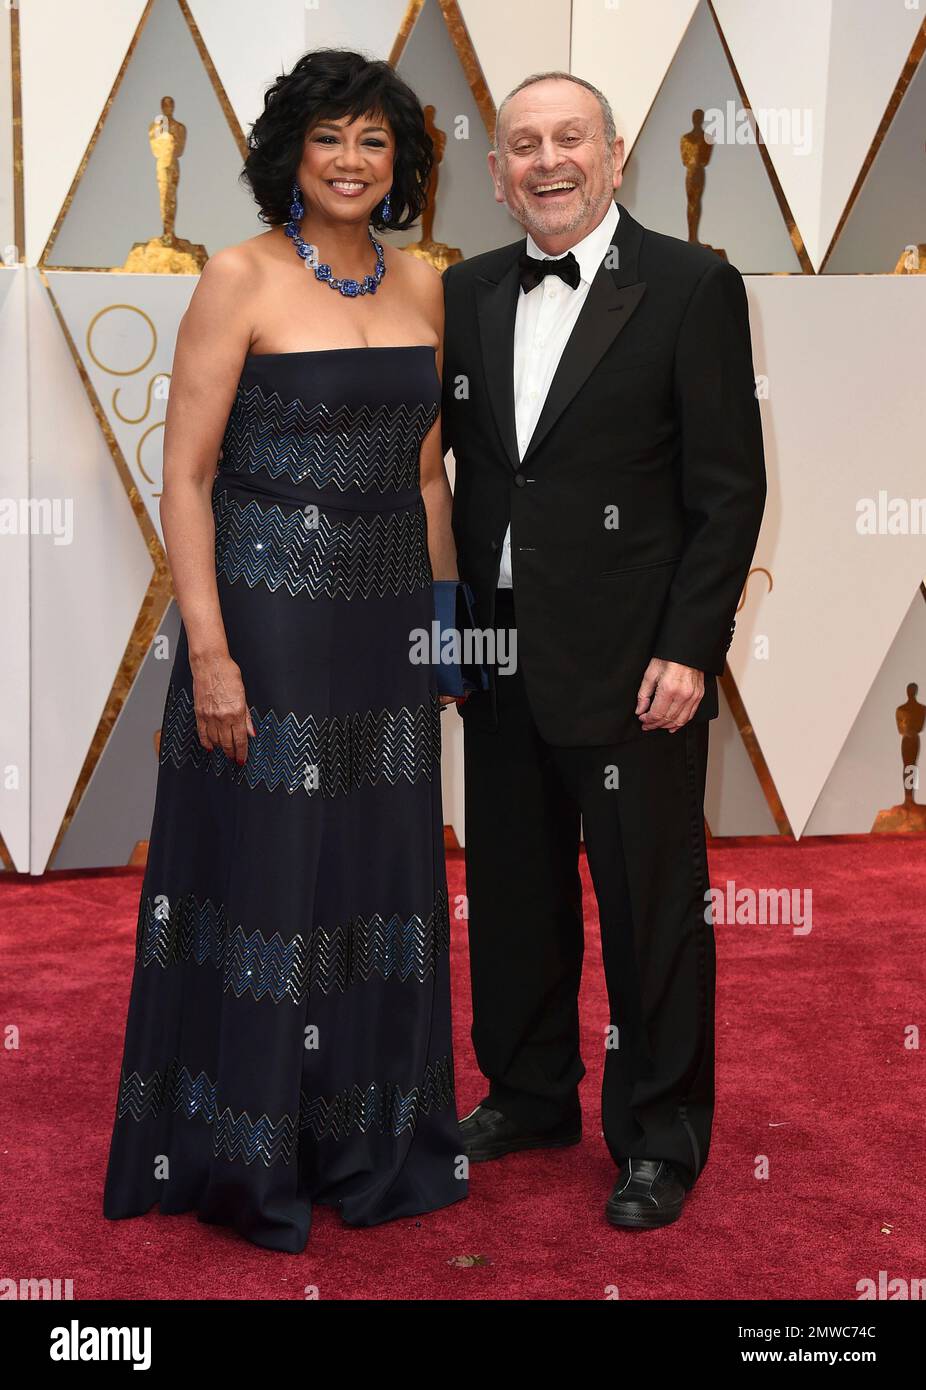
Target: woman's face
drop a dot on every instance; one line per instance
(346, 167)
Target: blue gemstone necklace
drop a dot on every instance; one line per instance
(309, 253)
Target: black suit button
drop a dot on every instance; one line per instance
(494, 545)
(519, 480)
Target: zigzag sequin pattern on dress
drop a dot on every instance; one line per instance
(374, 554)
(328, 959)
(365, 447)
(324, 756)
(380, 1105)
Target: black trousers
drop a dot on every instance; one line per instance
(640, 805)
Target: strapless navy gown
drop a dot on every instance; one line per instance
(288, 1035)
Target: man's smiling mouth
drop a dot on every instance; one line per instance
(555, 188)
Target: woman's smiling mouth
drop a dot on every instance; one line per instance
(348, 188)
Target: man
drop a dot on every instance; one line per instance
(599, 397)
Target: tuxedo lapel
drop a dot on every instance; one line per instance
(612, 298)
(496, 306)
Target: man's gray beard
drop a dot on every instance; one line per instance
(534, 225)
(548, 226)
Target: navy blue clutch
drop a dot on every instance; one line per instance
(455, 628)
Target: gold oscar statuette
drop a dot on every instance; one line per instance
(167, 254)
(427, 249)
(909, 817)
(696, 151)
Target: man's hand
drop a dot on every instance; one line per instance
(678, 691)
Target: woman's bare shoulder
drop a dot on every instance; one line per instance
(230, 283)
(222, 306)
(420, 279)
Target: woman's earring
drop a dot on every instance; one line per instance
(296, 209)
(386, 213)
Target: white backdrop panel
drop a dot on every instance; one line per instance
(7, 210)
(868, 774)
(86, 593)
(70, 57)
(843, 422)
(626, 49)
(516, 39)
(128, 354)
(14, 568)
(839, 61)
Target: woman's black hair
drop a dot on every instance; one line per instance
(326, 84)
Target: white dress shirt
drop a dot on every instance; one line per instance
(544, 319)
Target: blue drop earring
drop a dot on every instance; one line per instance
(386, 213)
(297, 208)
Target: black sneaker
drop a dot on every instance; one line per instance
(649, 1192)
(488, 1134)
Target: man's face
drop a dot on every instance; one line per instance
(553, 168)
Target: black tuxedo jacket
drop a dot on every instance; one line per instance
(652, 412)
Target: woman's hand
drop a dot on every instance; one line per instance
(223, 719)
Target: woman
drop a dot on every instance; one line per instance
(288, 1035)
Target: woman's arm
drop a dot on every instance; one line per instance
(212, 341)
(435, 487)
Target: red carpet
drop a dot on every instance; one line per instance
(812, 1073)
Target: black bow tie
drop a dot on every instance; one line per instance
(532, 271)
